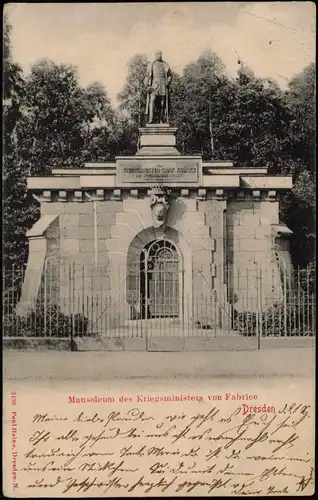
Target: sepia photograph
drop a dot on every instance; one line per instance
(159, 268)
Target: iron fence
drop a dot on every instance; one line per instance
(75, 300)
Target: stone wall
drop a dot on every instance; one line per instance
(76, 226)
(187, 229)
(84, 285)
(50, 282)
(253, 275)
(91, 241)
(212, 262)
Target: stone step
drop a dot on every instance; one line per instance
(176, 332)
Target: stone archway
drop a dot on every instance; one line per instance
(158, 275)
(156, 289)
(186, 228)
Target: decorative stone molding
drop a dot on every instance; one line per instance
(62, 196)
(110, 193)
(240, 195)
(272, 195)
(201, 194)
(97, 195)
(92, 196)
(229, 195)
(281, 182)
(219, 194)
(100, 194)
(78, 196)
(117, 195)
(216, 194)
(87, 196)
(159, 203)
(45, 196)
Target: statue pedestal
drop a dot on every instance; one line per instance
(158, 161)
(158, 139)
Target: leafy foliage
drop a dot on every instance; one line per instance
(301, 98)
(133, 96)
(292, 319)
(49, 121)
(54, 111)
(299, 207)
(49, 323)
(14, 176)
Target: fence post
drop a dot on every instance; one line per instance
(70, 302)
(285, 298)
(258, 307)
(308, 300)
(73, 301)
(45, 308)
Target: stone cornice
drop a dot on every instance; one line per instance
(108, 182)
(209, 168)
(266, 182)
(118, 194)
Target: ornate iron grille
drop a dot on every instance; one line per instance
(159, 280)
(80, 300)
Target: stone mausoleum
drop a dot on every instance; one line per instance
(157, 237)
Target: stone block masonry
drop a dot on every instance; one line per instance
(86, 220)
(220, 221)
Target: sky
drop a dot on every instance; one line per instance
(276, 39)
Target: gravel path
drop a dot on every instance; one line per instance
(90, 366)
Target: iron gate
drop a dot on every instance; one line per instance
(81, 301)
(160, 280)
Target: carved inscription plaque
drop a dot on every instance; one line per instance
(137, 171)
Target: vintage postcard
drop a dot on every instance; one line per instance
(159, 306)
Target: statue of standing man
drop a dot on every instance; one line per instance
(158, 81)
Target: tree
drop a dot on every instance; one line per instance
(55, 111)
(98, 126)
(254, 123)
(12, 88)
(260, 121)
(298, 212)
(192, 101)
(133, 97)
(247, 117)
(15, 219)
(301, 96)
(55, 119)
(245, 74)
(299, 207)
(47, 133)
(125, 135)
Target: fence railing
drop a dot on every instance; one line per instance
(76, 300)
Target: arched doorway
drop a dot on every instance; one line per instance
(160, 280)
(158, 265)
